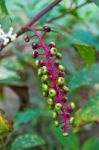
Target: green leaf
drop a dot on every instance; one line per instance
(87, 53)
(84, 77)
(91, 144)
(26, 141)
(26, 116)
(8, 76)
(70, 142)
(96, 2)
(89, 112)
(4, 15)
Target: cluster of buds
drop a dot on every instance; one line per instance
(51, 74)
(6, 37)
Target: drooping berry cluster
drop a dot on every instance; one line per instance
(51, 74)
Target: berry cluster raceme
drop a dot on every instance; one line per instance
(51, 74)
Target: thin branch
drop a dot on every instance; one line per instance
(68, 11)
(34, 19)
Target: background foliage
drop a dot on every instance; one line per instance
(76, 26)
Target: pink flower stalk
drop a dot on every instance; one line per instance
(51, 73)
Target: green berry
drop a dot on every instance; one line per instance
(44, 78)
(37, 63)
(61, 80)
(71, 121)
(45, 87)
(44, 94)
(65, 88)
(61, 68)
(54, 115)
(65, 134)
(49, 101)
(59, 55)
(58, 107)
(52, 93)
(44, 70)
(56, 123)
(72, 105)
(39, 72)
(53, 51)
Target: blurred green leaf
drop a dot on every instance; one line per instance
(91, 144)
(87, 53)
(85, 76)
(26, 141)
(4, 15)
(26, 116)
(8, 76)
(89, 112)
(70, 142)
(96, 2)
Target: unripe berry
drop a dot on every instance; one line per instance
(59, 55)
(39, 72)
(34, 45)
(37, 63)
(61, 80)
(65, 134)
(45, 87)
(53, 51)
(51, 44)
(45, 94)
(58, 107)
(71, 121)
(49, 101)
(44, 70)
(54, 115)
(65, 88)
(56, 63)
(44, 78)
(47, 29)
(61, 68)
(52, 93)
(72, 105)
(56, 123)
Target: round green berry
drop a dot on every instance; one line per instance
(65, 134)
(54, 115)
(44, 78)
(61, 68)
(58, 107)
(37, 63)
(61, 80)
(39, 72)
(59, 55)
(56, 123)
(44, 94)
(52, 93)
(49, 101)
(72, 105)
(53, 51)
(65, 88)
(71, 121)
(45, 87)
(44, 70)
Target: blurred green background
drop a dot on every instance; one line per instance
(75, 25)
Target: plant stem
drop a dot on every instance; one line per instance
(68, 11)
(34, 19)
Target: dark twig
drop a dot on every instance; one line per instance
(33, 20)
